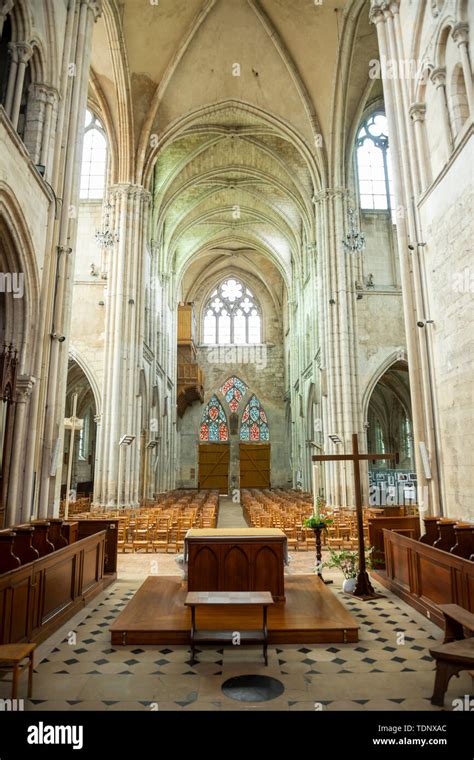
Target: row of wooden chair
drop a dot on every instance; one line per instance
(288, 511)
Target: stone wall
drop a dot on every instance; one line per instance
(446, 214)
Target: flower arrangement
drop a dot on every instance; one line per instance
(319, 518)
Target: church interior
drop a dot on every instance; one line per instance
(237, 398)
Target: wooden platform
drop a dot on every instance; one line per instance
(311, 614)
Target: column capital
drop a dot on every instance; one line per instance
(130, 191)
(330, 192)
(95, 6)
(417, 111)
(438, 76)
(24, 51)
(376, 13)
(23, 388)
(460, 33)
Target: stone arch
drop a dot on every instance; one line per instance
(458, 105)
(84, 453)
(76, 356)
(17, 256)
(387, 411)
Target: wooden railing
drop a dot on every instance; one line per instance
(425, 576)
(38, 598)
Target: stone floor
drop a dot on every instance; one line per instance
(230, 514)
(388, 669)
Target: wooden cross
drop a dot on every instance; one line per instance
(363, 587)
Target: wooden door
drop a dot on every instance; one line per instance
(255, 465)
(214, 466)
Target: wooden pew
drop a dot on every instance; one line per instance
(464, 545)
(426, 577)
(456, 653)
(408, 525)
(447, 537)
(39, 597)
(41, 541)
(23, 546)
(431, 533)
(55, 535)
(8, 560)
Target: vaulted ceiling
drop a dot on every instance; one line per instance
(231, 112)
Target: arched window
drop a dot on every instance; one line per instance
(254, 425)
(232, 315)
(458, 103)
(94, 159)
(373, 164)
(214, 422)
(234, 390)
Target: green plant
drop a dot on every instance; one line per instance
(318, 519)
(348, 561)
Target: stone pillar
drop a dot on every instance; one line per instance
(12, 72)
(438, 77)
(24, 53)
(460, 35)
(35, 118)
(123, 340)
(51, 103)
(417, 114)
(23, 388)
(410, 266)
(81, 17)
(340, 414)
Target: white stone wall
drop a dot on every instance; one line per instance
(447, 220)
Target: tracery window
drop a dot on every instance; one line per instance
(214, 422)
(94, 159)
(254, 425)
(373, 164)
(232, 315)
(234, 390)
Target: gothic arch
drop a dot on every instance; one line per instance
(19, 257)
(88, 372)
(396, 356)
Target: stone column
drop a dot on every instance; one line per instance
(338, 349)
(23, 389)
(460, 35)
(417, 114)
(412, 291)
(12, 72)
(123, 340)
(438, 77)
(81, 17)
(35, 117)
(51, 101)
(24, 53)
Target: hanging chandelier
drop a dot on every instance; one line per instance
(105, 238)
(354, 242)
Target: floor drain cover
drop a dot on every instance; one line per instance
(252, 688)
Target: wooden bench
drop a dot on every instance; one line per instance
(261, 599)
(16, 658)
(456, 653)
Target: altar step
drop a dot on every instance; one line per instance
(310, 614)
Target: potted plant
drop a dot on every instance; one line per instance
(347, 562)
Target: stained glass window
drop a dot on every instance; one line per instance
(232, 315)
(214, 422)
(254, 425)
(234, 390)
(373, 164)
